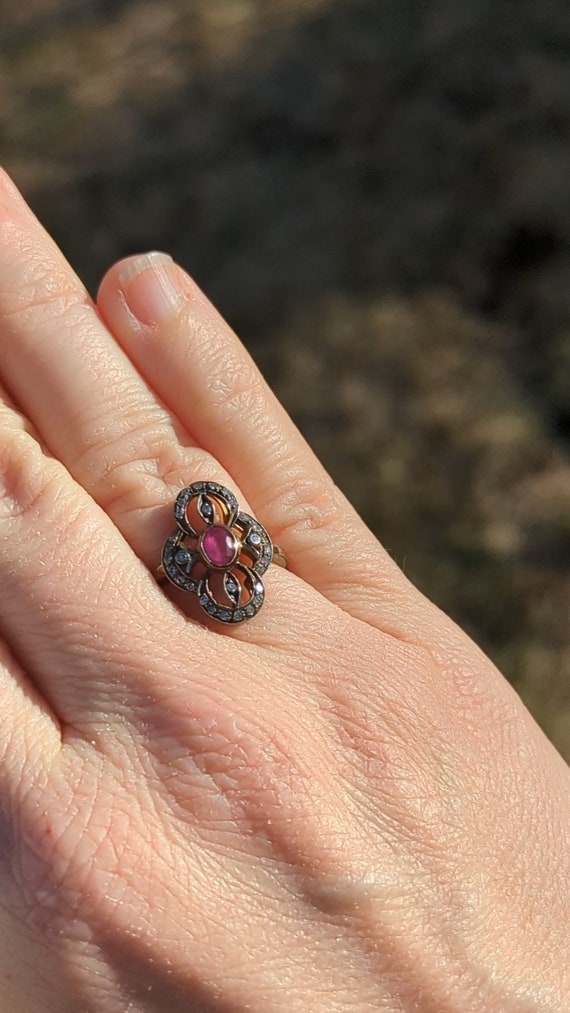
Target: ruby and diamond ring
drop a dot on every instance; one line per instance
(218, 553)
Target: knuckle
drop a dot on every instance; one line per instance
(302, 499)
(119, 453)
(129, 474)
(305, 503)
(35, 496)
(27, 479)
(41, 285)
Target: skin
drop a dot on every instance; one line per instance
(341, 805)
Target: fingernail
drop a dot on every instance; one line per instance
(151, 288)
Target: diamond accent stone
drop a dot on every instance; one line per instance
(206, 510)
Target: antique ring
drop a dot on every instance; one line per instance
(218, 553)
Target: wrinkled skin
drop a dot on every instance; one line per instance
(340, 805)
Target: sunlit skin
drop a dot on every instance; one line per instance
(338, 805)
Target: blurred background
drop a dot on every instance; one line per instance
(376, 193)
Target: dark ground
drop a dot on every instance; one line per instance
(377, 195)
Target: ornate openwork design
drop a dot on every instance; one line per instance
(218, 553)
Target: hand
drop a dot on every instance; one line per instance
(339, 805)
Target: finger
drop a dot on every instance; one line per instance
(77, 607)
(88, 403)
(196, 364)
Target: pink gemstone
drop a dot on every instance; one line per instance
(219, 546)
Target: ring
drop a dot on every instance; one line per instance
(218, 553)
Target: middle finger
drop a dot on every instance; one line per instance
(89, 404)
